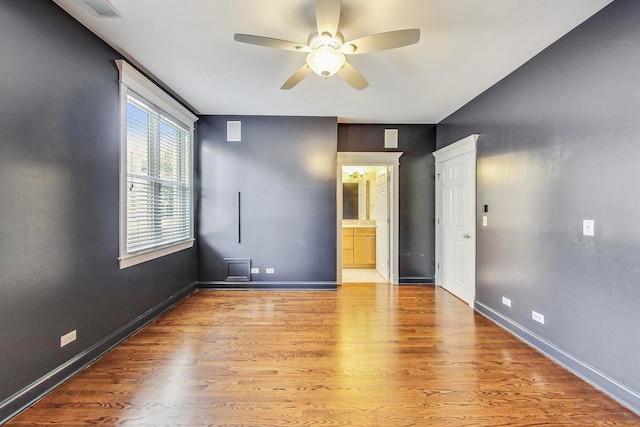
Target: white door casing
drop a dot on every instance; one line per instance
(392, 161)
(382, 223)
(455, 218)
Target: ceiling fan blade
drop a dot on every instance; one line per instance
(382, 41)
(352, 76)
(328, 16)
(270, 42)
(297, 77)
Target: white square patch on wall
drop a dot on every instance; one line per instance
(391, 138)
(234, 131)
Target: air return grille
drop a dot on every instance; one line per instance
(102, 8)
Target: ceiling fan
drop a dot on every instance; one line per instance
(326, 47)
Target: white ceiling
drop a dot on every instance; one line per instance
(465, 47)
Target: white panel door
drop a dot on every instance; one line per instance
(382, 223)
(458, 227)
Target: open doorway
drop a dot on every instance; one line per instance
(367, 226)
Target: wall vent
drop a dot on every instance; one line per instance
(102, 8)
(237, 269)
(391, 138)
(234, 131)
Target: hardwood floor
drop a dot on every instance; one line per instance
(367, 355)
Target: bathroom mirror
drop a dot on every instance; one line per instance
(355, 200)
(350, 200)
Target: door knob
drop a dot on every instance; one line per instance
(466, 236)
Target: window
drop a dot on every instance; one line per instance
(156, 172)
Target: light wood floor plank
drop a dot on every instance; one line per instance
(367, 355)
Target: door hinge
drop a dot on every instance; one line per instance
(438, 266)
(388, 220)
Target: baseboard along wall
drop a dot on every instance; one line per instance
(26, 397)
(616, 390)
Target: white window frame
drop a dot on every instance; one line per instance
(132, 80)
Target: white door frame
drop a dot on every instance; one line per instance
(391, 159)
(382, 221)
(463, 146)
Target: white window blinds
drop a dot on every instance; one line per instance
(158, 178)
(156, 174)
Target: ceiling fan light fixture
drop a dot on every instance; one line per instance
(326, 47)
(325, 61)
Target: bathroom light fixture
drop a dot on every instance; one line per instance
(356, 176)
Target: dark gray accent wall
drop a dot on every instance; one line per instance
(59, 163)
(417, 202)
(285, 170)
(560, 142)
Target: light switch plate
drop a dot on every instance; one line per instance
(588, 227)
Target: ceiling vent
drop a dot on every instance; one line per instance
(103, 8)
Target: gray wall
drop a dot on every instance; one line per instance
(285, 170)
(417, 203)
(59, 160)
(559, 143)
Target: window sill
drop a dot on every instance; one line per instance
(132, 260)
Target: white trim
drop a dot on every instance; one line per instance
(464, 146)
(141, 85)
(458, 148)
(132, 79)
(380, 158)
(123, 173)
(131, 260)
(391, 159)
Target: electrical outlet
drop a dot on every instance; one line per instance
(506, 301)
(270, 270)
(485, 221)
(537, 316)
(255, 270)
(68, 338)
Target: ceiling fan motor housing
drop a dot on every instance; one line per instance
(316, 40)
